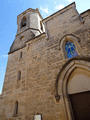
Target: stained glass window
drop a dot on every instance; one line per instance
(70, 49)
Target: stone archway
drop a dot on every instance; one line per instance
(78, 90)
(65, 88)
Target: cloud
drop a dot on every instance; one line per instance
(4, 56)
(70, 0)
(45, 10)
(58, 7)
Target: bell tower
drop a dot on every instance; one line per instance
(30, 19)
(29, 25)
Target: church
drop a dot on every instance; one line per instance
(48, 70)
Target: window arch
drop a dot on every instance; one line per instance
(23, 22)
(69, 46)
(70, 49)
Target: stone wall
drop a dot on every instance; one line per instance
(40, 64)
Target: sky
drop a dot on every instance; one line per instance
(9, 9)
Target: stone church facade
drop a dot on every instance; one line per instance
(48, 69)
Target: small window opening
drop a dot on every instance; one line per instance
(70, 49)
(16, 108)
(41, 25)
(23, 22)
(19, 75)
(20, 55)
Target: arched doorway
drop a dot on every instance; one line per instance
(73, 83)
(78, 89)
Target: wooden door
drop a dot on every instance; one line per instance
(81, 105)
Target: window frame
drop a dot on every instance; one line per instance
(72, 38)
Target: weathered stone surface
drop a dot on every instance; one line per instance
(42, 58)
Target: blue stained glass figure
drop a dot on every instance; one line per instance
(70, 49)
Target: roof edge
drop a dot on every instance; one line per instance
(36, 37)
(85, 11)
(28, 10)
(60, 11)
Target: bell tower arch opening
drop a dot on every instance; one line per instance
(23, 22)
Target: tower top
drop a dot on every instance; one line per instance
(29, 25)
(29, 19)
(29, 10)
